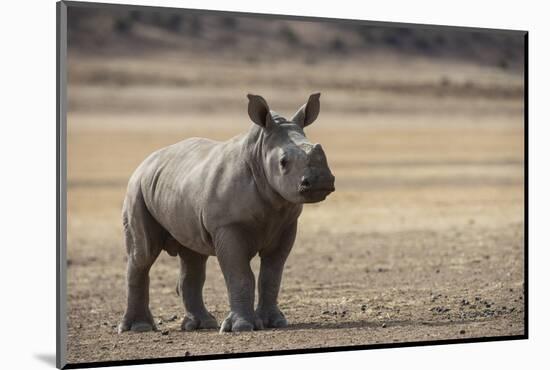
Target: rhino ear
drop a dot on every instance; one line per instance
(309, 111)
(258, 110)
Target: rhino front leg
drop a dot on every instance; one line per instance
(234, 254)
(271, 272)
(190, 284)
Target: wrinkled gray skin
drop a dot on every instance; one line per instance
(233, 200)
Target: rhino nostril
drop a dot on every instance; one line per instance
(305, 183)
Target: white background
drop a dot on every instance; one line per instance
(27, 182)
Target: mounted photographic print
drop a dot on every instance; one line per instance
(236, 184)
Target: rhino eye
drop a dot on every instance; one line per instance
(283, 162)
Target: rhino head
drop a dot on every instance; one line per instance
(295, 168)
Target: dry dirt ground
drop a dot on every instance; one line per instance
(422, 240)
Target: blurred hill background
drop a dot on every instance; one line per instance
(254, 38)
(181, 62)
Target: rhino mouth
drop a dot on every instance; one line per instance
(318, 194)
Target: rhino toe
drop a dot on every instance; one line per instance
(236, 323)
(136, 326)
(272, 318)
(137, 322)
(190, 323)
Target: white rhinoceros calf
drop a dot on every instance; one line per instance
(233, 199)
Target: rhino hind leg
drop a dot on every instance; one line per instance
(143, 238)
(190, 284)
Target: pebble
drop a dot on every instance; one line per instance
(363, 307)
(440, 309)
(187, 353)
(463, 331)
(326, 312)
(164, 332)
(384, 325)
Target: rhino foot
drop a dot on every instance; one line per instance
(236, 323)
(272, 318)
(206, 321)
(137, 325)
